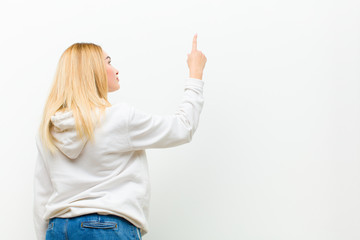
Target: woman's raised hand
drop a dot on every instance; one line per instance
(196, 61)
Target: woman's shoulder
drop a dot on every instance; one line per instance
(119, 110)
(120, 107)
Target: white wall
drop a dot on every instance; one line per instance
(277, 152)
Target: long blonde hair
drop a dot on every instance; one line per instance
(80, 84)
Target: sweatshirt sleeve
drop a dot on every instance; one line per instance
(42, 192)
(156, 131)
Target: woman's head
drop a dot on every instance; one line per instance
(82, 65)
(82, 80)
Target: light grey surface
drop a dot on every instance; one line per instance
(277, 151)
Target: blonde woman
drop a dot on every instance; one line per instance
(91, 176)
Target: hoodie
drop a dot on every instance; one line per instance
(65, 134)
(109, 175)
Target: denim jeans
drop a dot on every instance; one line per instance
(92, 227)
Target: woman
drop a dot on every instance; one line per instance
(91, 176)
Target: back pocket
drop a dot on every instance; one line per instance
(99, 225)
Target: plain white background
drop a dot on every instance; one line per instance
(277, 152)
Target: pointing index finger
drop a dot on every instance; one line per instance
(194, 44)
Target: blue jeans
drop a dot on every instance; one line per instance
(92, 226)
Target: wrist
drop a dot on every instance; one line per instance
(196, 75)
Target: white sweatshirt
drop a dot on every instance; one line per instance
(109, 176)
